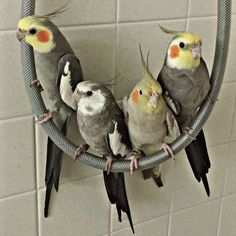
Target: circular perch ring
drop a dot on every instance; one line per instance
(38, 106)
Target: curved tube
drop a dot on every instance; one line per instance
(221, 52)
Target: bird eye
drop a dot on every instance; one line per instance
(140, 92)
(181, 45)
(195, 45)
(32, 31)
(89, 93)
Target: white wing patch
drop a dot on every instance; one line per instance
(116, 145)
(171, 104)
(65, 87)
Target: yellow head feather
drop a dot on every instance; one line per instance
(184, 51)
(145, 89)
(42, 38)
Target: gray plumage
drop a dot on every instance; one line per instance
(58, 71)
(151, 126)
(102, 126)
(185, 81)
(187, 89)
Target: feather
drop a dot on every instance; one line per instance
(147, 72)
(115, 187)
(170, 31)
(55, 13)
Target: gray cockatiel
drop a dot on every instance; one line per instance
(101, 124)
(59, 72)
(185, 81)
(150, 122)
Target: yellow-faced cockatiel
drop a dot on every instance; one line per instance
(150, 121)
(185, 81)
(59, 72)
(102, 125)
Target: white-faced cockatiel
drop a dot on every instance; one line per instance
(185, 81)
(102, 126)
(59, 71)
(150, 121)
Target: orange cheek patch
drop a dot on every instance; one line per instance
(134, 96)
(174, 51)
(43, 36)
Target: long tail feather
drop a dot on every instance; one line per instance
(199, 160)
(53, 167)
(115, 187)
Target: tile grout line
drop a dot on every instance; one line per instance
(36, 178)
(122, 22)
(141, 222)
(16, 117)
(232, 121)
(172, 198)
(116, 47)
(17, 194)
(221, 200)
(187, 17)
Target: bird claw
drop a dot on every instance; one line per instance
(185, 130)
(133, 162)
(37, 83)
(109, 161)
(168, 150)
(44, 118)
(81, 149)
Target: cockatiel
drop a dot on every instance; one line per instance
(150, 121)
(102, 125)
(59, 71)
(185, 81)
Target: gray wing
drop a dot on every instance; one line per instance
(163, 79)
(118, 136)
(187, 89)
(69, 74)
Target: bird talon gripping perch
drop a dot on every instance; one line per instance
(81, 149)
(133, 161)
(44, 117)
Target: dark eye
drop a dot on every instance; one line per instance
(89, 93)
(140, 92)
(181, 45)
(32, 31)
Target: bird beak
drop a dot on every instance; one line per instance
(197, 51)
(153, 99)
(20, 34)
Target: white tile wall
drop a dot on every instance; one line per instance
(105, 36)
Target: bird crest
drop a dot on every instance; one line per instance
(55, 13)
(147, 72)
(167, 31)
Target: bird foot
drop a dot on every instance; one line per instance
(44, 117)
(133, 162)
(186, 130)
(81, 149)
(37, 83)
(167, 150)
(109, 161)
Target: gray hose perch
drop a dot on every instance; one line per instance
(221, 52)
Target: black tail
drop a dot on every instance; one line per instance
(53, 168)
(199, 160)
(115, 187)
